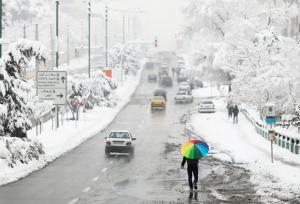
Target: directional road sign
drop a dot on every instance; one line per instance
(52, 86)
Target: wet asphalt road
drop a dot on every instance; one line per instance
(85, 175)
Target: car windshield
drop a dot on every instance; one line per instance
(207, 102)
(158, 97)
(119, 135)
(181, 93)
(183, 88)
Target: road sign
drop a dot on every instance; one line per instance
(52, 86)
(270, 119)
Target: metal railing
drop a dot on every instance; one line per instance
(282, 140)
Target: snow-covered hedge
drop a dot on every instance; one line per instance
(14, 151)
(89, 92)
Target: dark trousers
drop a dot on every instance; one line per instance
(192, 169)
(235, 119)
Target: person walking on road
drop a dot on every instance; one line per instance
(235, 112)
(192, 169)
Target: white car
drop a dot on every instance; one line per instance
(184, 84)
(119, 142)
(206, 106)
(183, 97)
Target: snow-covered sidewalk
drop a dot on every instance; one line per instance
(239, 143)
(69, 136)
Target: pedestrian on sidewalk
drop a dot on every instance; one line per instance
(235, 112)
(192, 169)
(229, 109)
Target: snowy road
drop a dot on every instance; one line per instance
(85, 175)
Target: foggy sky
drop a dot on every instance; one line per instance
(162, 18)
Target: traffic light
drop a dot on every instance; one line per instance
(155, 42)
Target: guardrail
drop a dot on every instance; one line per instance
(282, 140)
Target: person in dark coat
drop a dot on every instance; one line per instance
(229, 109)
(192, 169)
(235, 112)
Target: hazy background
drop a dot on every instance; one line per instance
(161, 18)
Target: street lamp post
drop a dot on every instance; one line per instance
(1, 27)
(123, 28)
(106, 43)
(89, 27)
(57, 5)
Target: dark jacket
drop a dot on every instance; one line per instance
(189, 161)
(235, 111)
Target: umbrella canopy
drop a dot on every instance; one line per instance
(194, 149)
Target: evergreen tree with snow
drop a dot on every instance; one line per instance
(14, 120)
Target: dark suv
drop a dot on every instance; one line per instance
(166, 81)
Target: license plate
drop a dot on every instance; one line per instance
(118, 142)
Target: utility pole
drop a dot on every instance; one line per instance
(36, 60)
(128, 27)
(106, 43)
(37, 32)
(68, 45)
(56, 39)
(57, 5)
(0, 27)
(89, 22)
(122, 51)
(52, 46)
(24, 31)
(123, 28)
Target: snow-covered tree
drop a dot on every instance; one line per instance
(246, 40)
(15, 110)
(131, 55)
(24, 10)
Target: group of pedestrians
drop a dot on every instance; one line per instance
(233, 112)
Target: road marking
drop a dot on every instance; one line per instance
(87, 189)
(104, 170)
(74, 201)
(96, 178)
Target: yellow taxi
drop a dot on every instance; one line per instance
(158, 102)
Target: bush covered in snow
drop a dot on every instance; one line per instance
(91, 92)
(14, 151)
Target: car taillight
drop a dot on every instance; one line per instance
(128, 143)
(108, 142)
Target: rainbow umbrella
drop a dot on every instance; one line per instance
(194, 149)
